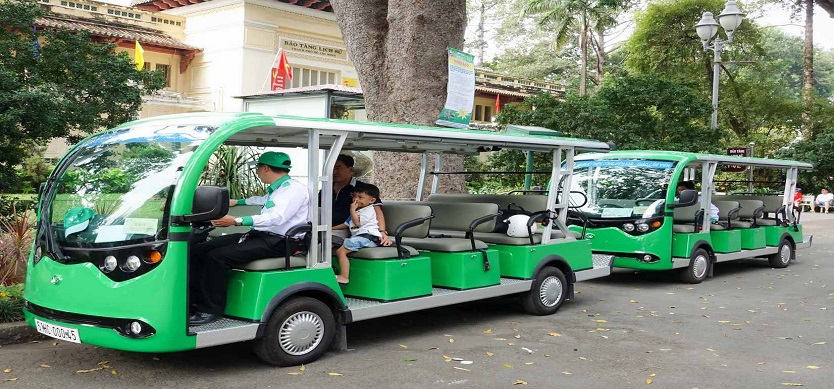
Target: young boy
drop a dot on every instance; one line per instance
(363, 225)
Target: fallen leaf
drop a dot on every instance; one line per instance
(517, 336)
(403, 346)
(10, 379)
(653, 375)
(488, 331)
(489, 353)
(89, 370)
(724, 321)
(633, 301)
(529, 363)
(788, 371)
(113, 372)
(7, 370)
(812, 367)
(583, 358)
(649, 381)
(460, 368)
(785, 337)
(302, 368)
(447, 358)
(791, 384)
(295, 373)
(709, 349)
(155, 358)
(508, 366)
(566, 373)
(520, 382)
(554, 334)
(527, 349)
(53, 343)
(820, 343)
(45, 365)
(451, 340)
(500, 338)
(601, 321)
(334, 374)
(604, 337)
(409, 359)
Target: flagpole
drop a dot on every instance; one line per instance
(269, 75)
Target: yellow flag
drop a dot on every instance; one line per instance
(139, 57)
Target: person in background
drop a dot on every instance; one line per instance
(823, 200)
(797, 198)
(713, 210)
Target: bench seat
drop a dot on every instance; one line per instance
(448, 245)
(267, 264)
(381, 252)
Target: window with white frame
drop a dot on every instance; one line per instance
(302, 76)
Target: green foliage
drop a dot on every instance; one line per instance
(819, 150)
(11, 303)
(229, 167)
(33, 171)
(634, 112)
(9, 204)
(73, 87)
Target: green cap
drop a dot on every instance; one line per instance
(276, 159)
(77, 219)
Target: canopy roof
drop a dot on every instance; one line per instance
(679, 156)
(162, 5)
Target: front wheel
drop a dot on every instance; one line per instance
(697, 269)
(547, 293)
(299, 331)
(782, 257)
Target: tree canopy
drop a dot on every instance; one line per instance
(64, 86)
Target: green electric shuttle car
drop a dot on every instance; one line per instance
(636, 211)
(111, 260)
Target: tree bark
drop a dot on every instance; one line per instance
(600, 49)
(808, 72)
(583, 54)
(399, 50)
(481, 42)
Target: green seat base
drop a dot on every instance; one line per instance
(389, 279)
(464, 270)
(752, 238)
(728, 241)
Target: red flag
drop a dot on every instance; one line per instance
(497, 104)
(281, 73)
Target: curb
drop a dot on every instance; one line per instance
(18, 332)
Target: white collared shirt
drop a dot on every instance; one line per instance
(288, 208)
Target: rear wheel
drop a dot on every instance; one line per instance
(782, 258)
(299, 331)
(547, 293)
(698, 267)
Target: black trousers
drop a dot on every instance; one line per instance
(210, 262)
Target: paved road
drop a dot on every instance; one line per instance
(750, 326)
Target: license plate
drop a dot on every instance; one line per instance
(58, 332)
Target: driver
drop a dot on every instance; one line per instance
(713, 210)
(285, 205)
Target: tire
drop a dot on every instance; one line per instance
(299, 331)
(698, 268)
(548, 292)
(782, 257)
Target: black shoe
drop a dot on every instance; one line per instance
(202, 318)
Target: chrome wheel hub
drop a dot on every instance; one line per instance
(785, 254)
(301, 333)
(550, 291)
(699, 266)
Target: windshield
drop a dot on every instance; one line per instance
(625, 188)
(115, 187)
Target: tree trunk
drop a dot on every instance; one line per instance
(600, 55)
(583, 54)
(481, 42)
(808, 72)
(399, 50)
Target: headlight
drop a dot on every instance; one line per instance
(132, 263)
(642, 227)
(110, 264)
(628, 227)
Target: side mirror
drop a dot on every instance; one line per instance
(210, 202)
(688, 197)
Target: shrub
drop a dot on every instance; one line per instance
(10, 203)
(16, 239)
(11, 303)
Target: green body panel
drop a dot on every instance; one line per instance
(727, 241)
(250, 292)
(682, 244)
(613, 240)
(773, 234)
(521, 261)
(752, 238)
(157, 298)
(389, 279)
(464, 270)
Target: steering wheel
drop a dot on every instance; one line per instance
(638, 201)
(610, 206)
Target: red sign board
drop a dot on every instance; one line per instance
(738, 152)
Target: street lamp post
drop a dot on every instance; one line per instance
(707, 28)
